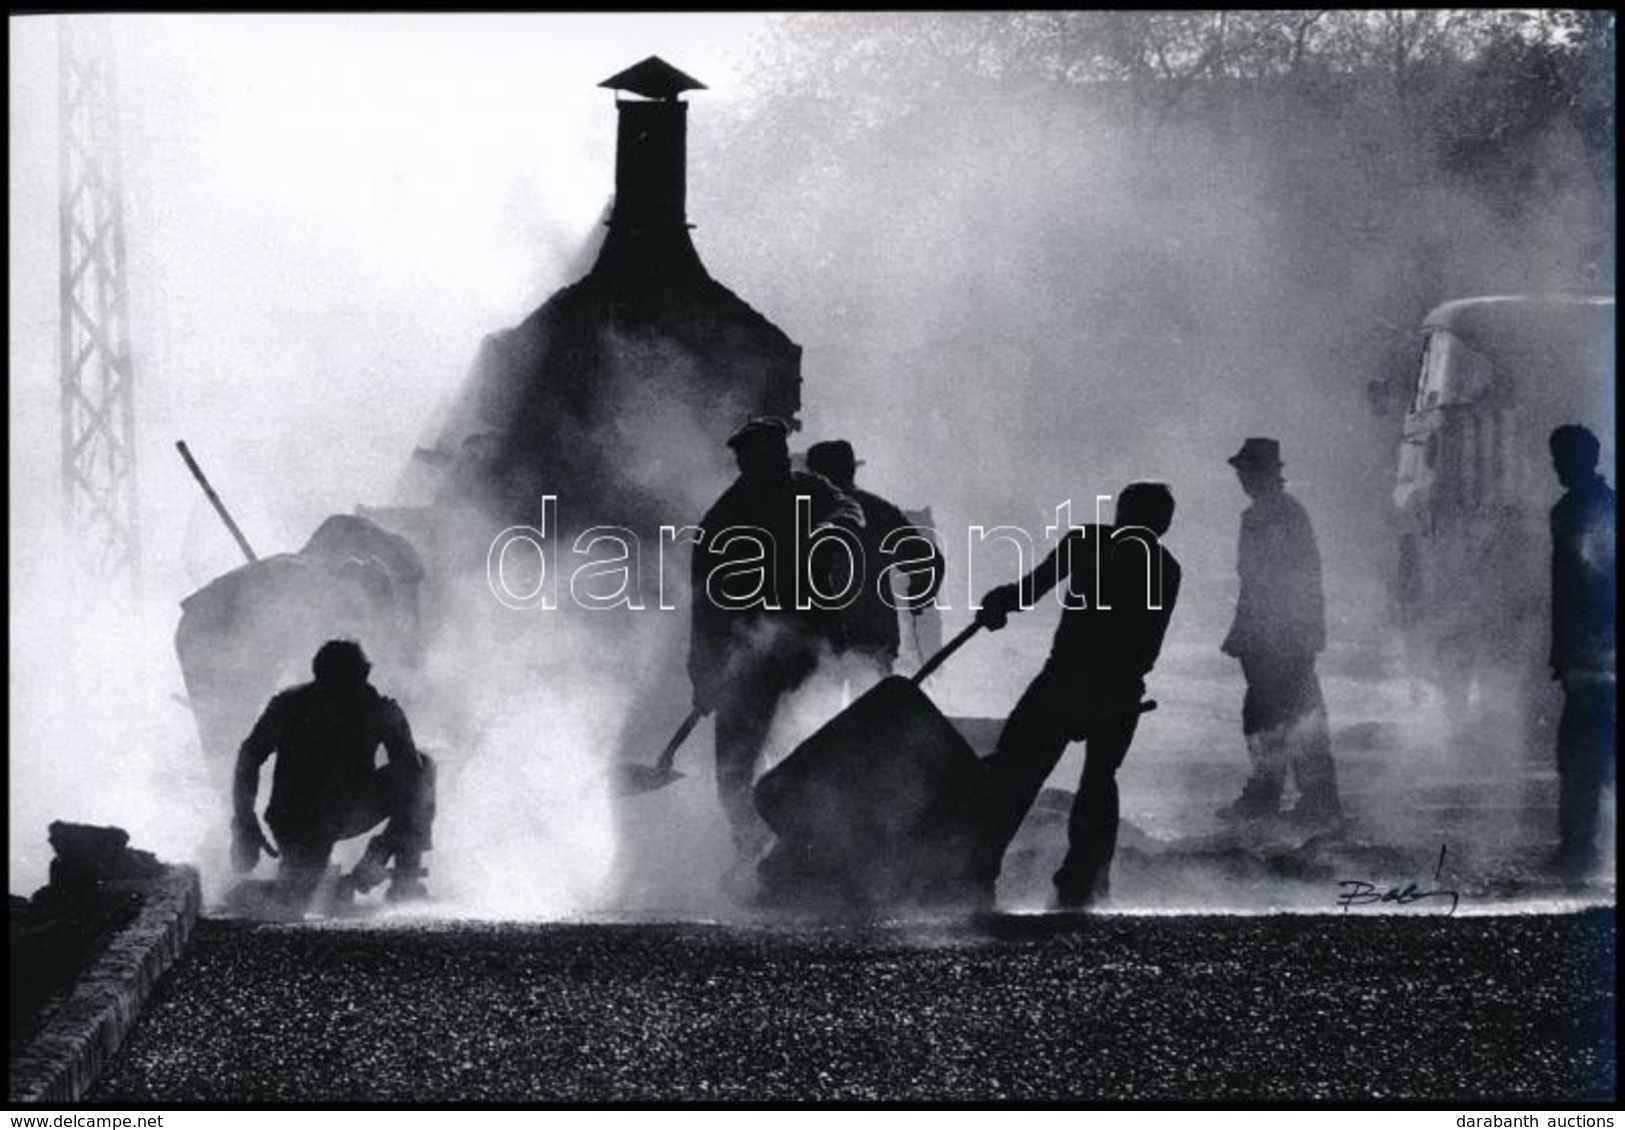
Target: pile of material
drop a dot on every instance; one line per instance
(60, 930)
(877, 808)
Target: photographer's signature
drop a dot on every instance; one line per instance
(1358, 892)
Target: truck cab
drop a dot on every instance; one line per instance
(1472, 587)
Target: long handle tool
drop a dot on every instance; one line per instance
(631, 778)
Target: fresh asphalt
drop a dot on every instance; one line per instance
(1407, 1007)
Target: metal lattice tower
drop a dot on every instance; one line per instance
(98, 404)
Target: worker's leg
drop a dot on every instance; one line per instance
(303, 864)
(743, 717)
(1032, 741)
(1585, 764)
(1092, 826)
(1310, 741)
(785, 653)
(402, 798)
(410, 831)
(1264, 713)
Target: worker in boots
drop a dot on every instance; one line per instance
(326, 785)
(869, 632)
(1279, 628)
(1584, 574)
(758, 620)
(1122, 584)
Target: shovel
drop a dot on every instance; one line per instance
(631, 778)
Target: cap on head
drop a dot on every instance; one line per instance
(1146, 503)
(1257, 454)
(340, 663)
(1576, 442)
(833, 458)
(758, 431)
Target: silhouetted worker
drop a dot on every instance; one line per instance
(750, 643)
(1108, 639)
(326, 786)
(1279, 628)
(869, 624)
(1583, 603)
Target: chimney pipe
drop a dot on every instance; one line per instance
(651, 157)
(651, 146)
(648, 245)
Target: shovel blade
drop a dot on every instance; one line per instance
(631, 779)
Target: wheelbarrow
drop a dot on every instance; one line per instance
(884, 802)
(878, 803)
(632, 778)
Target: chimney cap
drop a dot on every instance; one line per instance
(653, 78)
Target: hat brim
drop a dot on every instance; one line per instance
(1241, 464)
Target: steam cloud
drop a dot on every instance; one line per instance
(1030, 302)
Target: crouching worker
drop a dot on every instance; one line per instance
(1121, 587)
(326, 786)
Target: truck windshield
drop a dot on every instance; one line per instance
(1453, 372)
(1435, 362)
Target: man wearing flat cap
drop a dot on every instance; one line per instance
(1279, 628)
(751, 643)
(869, 624)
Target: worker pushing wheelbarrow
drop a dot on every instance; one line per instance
(888, 804)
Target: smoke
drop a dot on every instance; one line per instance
(1026, 293)
(1006, 301)
(96, 737)
(323, 216)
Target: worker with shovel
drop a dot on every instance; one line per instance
(326, 787)
(761, 584)
(1122, 585)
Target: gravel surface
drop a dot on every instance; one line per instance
(1406, 1008)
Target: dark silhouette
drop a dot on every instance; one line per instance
(750, 644)
(869, 624)
(326, 786)
(575, 399)
(251, 630)
(1108, 639)
(1583, 603)
(88, 854)
(877, 807)
(1279, 628)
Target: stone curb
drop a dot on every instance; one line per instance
(63, 1060)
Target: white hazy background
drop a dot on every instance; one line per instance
(324, 215)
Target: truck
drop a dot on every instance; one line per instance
(1471, 585)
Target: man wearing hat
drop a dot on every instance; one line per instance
(750, 643)
(869, 624)
(1279, 628)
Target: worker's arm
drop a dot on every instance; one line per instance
(399, 747)
(831, 506)
(1314, 591)
(998, 603)
(247, 837)
(924, 575)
